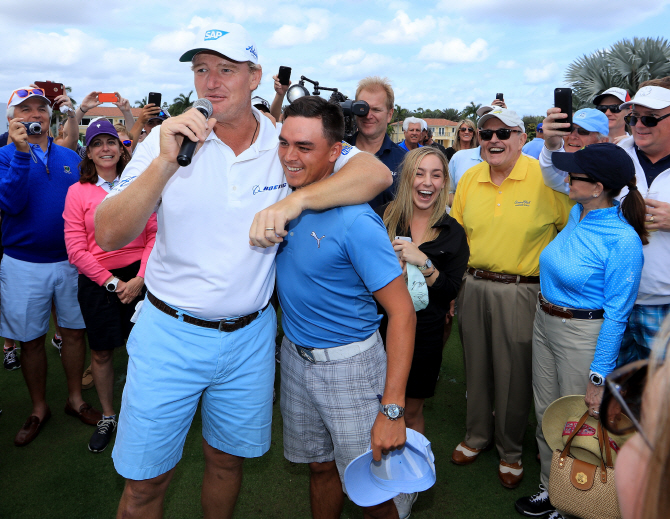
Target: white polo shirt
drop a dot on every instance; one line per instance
(202, 262)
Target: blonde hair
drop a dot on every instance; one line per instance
(376, 83)
(121, 129)
(398, 215)
(475, 138)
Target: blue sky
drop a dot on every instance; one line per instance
(438, 54)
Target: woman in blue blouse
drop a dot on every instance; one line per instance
(589, 277)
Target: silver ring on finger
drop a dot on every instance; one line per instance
(269, 228)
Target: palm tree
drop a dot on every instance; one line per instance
(625, 64)
(470, 112)
(400, 114)
(451, 114)
(180, 104)
(140, 104)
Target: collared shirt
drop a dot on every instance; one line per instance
(404, 146)
(534, 147)
(509, 225)
(107, 186)
(462, 161)
(594, 264)
(202, 262)
(39, 153)
(391, 155)
(652, 169)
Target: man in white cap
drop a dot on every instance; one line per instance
(206, 330)
(35, 175)
(609, 103)
(509, 216)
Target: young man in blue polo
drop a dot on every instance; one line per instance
(341, 392)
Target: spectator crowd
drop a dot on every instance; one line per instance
(553, 253)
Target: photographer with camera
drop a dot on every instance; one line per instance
(35, 175)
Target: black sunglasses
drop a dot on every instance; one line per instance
(581, 131)
(502, 133)
(647, 120)
(615, 109)
(466, 129)
(583, 179)
(621, 407)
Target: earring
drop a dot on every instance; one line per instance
(595, 196)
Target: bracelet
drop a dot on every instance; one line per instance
(433, 272)
(82, 110)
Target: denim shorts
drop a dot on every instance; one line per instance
(171, 365)
(27, 290)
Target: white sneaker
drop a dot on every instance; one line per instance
(555, 515)
(404, 502)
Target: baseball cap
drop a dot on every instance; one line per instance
(508, 117)
(100, 126)
(260, 103)
(229, 39)
(485, 109)
(538, 128)
(653, 97)
(407, 470)
(162, 115)
(21, 94)
(605, 162)
(592, 119)
(621, 94)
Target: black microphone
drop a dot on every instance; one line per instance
(204, 106)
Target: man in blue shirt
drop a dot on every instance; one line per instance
(339, 393)
(35, 175)
(534, 147)
(371, 135)
(411, 126)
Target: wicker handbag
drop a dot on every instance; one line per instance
(583, 489)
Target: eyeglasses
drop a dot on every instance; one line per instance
(466, 129)
(502, 133)
(127, 143)
(580, 131)
(615, 109)
(23, 92)
(583, 179)
(621, 406)
(647, 120)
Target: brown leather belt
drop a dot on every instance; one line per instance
(502, 278)
(568, 313)
(227, 325)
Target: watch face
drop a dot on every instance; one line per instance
(429, 263)
(393, 411)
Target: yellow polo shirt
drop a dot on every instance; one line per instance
(509, 225)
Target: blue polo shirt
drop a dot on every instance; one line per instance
(327, 268)
(533, 148)
(404, 146)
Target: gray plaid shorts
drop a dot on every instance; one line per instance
(329, 408)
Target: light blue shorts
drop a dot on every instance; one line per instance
(27, 290)
(171, 365)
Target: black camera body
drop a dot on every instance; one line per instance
(33, 128)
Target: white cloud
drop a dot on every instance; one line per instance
(543, 74)
(290, 35)
(402, 29)
(356, 64)
(507, 64)
(454, 50)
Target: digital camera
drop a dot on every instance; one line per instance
(33, 128)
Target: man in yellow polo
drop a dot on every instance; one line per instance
(509, 216)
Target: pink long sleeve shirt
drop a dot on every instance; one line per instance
(83, 252)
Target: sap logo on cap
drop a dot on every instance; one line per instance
(644, 91)
(252, 51)
(214, 34)
(581, 116)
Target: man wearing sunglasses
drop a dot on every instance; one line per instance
(509, 216)
(609, 103)
(35, 175)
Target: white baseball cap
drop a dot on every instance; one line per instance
(653, 97)
(621, 94)
(508, 117)
(229, 39)
(23, 93)
(485, 109)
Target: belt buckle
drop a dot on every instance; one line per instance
(306, 354)
(225, 323)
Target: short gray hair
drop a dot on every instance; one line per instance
(411, 120)
(10, 110)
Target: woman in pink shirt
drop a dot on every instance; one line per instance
(110, 283)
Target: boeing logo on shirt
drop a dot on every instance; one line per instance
(521, 203)
(318, 240)
(258, 189)
(346, 148)
(252, 51)
(214, 34)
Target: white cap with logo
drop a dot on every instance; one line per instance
(228, 39)
(508, 117)
(653, 97)
(621, 94)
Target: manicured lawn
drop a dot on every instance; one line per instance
(57, 477)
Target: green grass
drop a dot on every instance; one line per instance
(57, 477)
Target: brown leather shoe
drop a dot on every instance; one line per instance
(510, 474)
(30, 429)
(86, 413)
(464, 455)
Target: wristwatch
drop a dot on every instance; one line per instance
(391, 411)
(426, 265)
(596, 379)
(111, 286)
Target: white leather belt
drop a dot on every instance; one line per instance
(338, 352)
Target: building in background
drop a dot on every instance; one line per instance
(112, 114)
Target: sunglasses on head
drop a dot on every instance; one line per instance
(647, 120)
(583, 179)
(612, 108)
(621, 407)
(502, 133)
(23, 92)
(466, 129)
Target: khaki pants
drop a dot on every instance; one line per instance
(497, 326)
(563, 350)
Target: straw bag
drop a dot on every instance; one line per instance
(583, 489)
